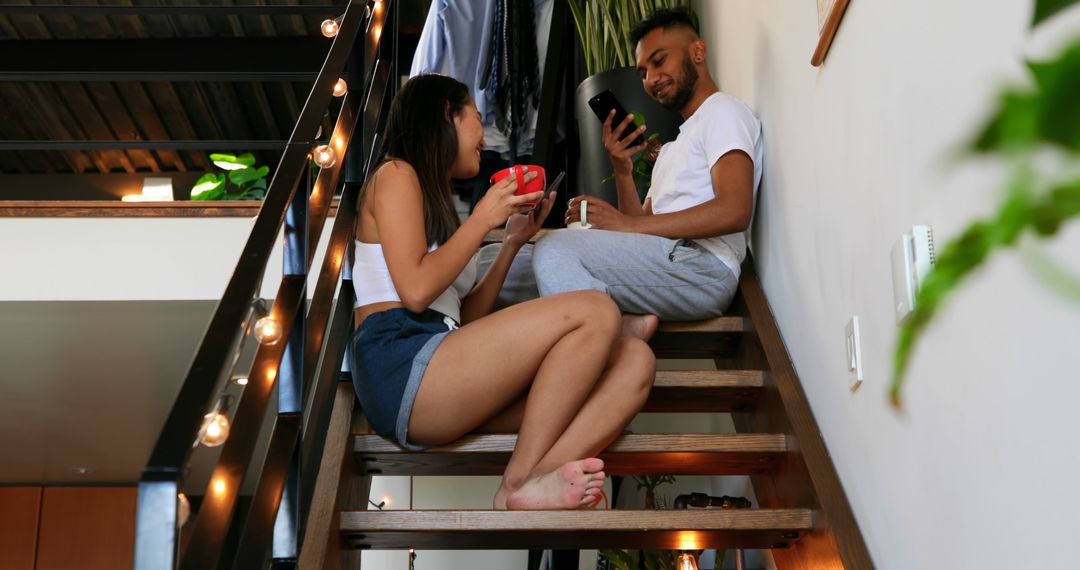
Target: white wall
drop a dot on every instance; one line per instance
(129, 259)
(980, 469)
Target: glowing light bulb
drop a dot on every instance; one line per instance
(330, 27)
(325, 156)
(241, 381)
(386, 500)
(267, 330)
(131, 198)
(340, 88)
(686, 562)
(215, 429)
(183, 509)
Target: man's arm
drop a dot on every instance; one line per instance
(728, 212)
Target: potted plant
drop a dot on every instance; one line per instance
(603, 27)
(242, 180)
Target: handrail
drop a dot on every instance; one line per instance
(156, 533)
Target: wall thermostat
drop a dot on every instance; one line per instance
(912, 260)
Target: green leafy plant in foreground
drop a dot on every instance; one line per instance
(242, 180)
(1028, 122)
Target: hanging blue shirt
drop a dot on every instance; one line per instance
(456, 39)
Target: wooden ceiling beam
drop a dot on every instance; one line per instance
(173, 10)
(186, 59)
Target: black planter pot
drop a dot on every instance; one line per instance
(594, 166)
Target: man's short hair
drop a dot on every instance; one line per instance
(665, 18)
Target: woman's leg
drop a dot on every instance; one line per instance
(555, 349)
(617, 397)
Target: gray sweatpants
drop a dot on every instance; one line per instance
(676, 280)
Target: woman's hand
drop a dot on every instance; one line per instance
(619, 150)
(499, 203)
(602, 216)
(520, 228)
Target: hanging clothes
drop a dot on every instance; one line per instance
(455, 41)
(460, 40)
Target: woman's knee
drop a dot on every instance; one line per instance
(596, 309)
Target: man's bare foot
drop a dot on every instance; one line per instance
(640, 326)
(569, 487)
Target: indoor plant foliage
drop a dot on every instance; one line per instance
(242, 180)
(1028, 122)
(650, 559)
(604, 28)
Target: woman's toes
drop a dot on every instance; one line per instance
(592, 465)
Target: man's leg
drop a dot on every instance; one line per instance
(520, 283)
(673, 279)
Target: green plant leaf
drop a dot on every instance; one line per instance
(620, 559)
(1022, 210)
(1046, 112)
(231, 161)
(604, 26)
(1044, 9)
(246, 175)
(209, 186)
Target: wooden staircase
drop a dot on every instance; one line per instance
(801, 513)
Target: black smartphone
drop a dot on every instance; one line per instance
(547, 193)
(603, 103)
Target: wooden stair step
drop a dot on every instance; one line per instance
(711, 338)
(630, 454)
(687, 529)
(705, 391)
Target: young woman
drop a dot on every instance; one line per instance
(556, 370)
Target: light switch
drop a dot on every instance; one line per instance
(854, 354)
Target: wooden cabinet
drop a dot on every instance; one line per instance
(20, 509)
(89, 528)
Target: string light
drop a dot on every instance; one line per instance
(686, 562)
(330, 27)
(340, 88)
(267, 330)
(240, 380)
(183, 509)
(325, 156)
(215, 427)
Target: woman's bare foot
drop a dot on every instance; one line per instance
(640, 326)
(500, 498)
(569, 487)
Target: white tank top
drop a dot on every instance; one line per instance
(372, 282)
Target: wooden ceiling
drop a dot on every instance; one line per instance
(167, 83)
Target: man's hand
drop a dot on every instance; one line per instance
(602, 216)
(619, 150)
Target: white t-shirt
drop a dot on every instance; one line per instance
(682, 176)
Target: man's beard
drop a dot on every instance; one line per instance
(684, 88)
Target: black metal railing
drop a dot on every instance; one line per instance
(304, 365)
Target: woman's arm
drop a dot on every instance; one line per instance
(481, 300)
(398, 208)
(519, 230)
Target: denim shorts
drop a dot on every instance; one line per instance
(390, 353)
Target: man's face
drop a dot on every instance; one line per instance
(663, 62)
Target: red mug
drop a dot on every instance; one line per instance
(535, 185)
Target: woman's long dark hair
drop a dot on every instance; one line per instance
(421, 131)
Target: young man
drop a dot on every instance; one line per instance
(678, 255)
